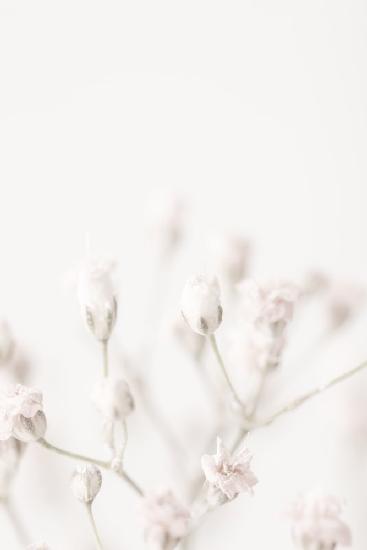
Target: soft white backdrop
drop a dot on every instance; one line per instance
(256, 111)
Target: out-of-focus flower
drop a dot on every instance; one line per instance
(165, 520)
(230, 475)
(38, 546)
(10, 453)
(21, 413)
(343, 302)
(314, 283)
(316, 522)
(113, 398)
(200, 304)
(97, 297)
(86, 482)
(231, 258)
(166, 219)
(190, 341)
(271, 304)
(7, 343)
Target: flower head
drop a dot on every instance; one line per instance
(200, 304)
(97, 297)
(21, 413)
(228, 474)
(86, 482)
(165, 519)
(113, 398)
(317, 523)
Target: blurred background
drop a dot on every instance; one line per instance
(255, 114)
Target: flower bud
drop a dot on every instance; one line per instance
(86, 482)
(21, 413)
(200, 304)
(113, 398)
(97, 297)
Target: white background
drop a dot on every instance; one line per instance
(256, 111)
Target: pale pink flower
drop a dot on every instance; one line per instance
(272, 304)
(86, 482)
(21, 413)
(316, 522)
(97, 296)
(165, 520)
(200, 304)
(230, 475)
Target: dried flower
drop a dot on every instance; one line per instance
(317, 524)
(97, 297)
(231, 258)
(86, 482)
(10, 453)
(7, 343)
(166, 520)
(200, 304)
(229, 475)
(190, 341)
(21, 413)
(113, 398)
(270, 305)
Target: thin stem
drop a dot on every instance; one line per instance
(17, 524)
(214, 345)
(105, 358)
(88, 506)
(292, 405)
(102, 463)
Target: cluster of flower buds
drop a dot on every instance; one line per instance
(316, 522)
(165, 520)
(97, 297)
(269, 310)
(227, 475)
(86, 483)
(200, 304)
(21, 413)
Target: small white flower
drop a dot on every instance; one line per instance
(21, 413)
(38, 546)
(86, 482)
(228, 474)
(316, 522)
(200, 304)
(7, 344)
(165, 519)
(97, 297)
(10, 453)
(113, 398)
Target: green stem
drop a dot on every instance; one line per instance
(217, 354)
